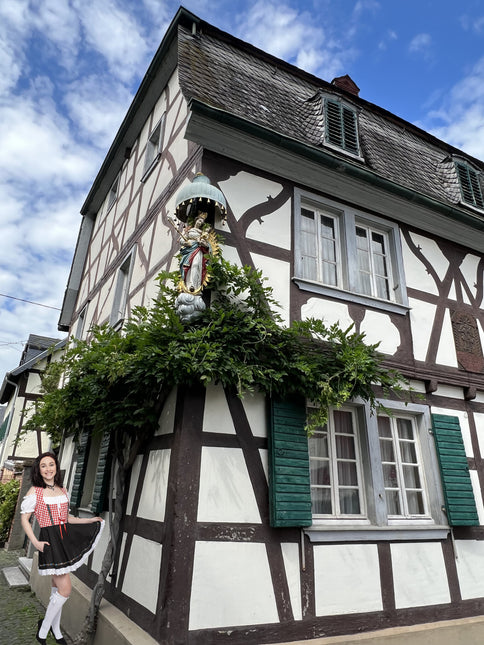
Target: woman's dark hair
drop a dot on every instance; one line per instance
(37, 479)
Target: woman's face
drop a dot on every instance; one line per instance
(47, 468)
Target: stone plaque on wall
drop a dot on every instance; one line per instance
(467, 341)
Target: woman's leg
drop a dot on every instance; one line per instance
(60, 593)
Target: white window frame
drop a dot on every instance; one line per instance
(375, 522)
(123, 279)
(154, 147)
(113, 193)
(346, 220)
(81, 320)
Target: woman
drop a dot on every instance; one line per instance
(64, 543)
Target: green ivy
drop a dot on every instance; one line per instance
(117, 382)
(8, 500)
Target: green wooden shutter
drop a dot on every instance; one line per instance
(459, 495)
(290, 491)
(102, 475)
(78, 483)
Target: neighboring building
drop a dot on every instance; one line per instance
(19, 391)
(356, 216)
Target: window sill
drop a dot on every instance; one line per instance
(334, 292)
(375, 533)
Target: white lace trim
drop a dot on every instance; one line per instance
(77, 565)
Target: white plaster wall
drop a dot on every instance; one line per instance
(155, 486)
(421, 320)
(346, 579)
(100, 550)
(450, 391)
(133, 483)
(167, 416)
(326, 310)
(419, 574)
(226, 493)
(476, 487)
(479, 421)
(279, 278)
(415, 271)
(33, 381)
(255, 409)
(378, 328)
(290, 553)
(264, 456)
(143, 572)
(446, 354)
(470, 565)
(231, 585)
(464, 426)
(469, 270)
(216, 416)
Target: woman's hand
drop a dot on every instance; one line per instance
(97, 519)
(41, 545)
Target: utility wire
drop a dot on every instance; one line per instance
(30, 302)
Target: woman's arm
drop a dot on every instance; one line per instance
(29, 532)
(83, 520)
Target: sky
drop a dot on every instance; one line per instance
(70, 68)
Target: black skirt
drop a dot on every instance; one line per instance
(69, 546)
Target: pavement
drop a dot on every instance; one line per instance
(19, 608)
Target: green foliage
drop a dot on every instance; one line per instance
(116, 382)
(8, 500)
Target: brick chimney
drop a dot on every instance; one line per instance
(346, 83)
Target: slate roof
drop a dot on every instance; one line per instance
(230, 75)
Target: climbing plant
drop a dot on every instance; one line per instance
(118, 382)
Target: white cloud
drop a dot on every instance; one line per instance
(292, 35)
(420, 44)
(459, 119)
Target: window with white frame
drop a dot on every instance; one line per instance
(154, 147)
(470, 184)
(342, 248)
(375, 470)
(113, 193)
(80, 323)
(123, 277)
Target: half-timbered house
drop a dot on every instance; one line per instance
(237, 528)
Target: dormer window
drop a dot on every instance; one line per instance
(470, 184)
(341, 126)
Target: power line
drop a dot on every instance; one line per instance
(39, 304)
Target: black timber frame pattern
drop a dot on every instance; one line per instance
(180, 531)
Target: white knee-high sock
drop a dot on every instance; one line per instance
(54, 608)
(56, 628)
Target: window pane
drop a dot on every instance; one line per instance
(321, 501)
(382, 288)
(319, 471)
(364, 283)
(377, 243)
(408, 452)
(345, 447)
(318, 445)
(384, 429)
(411, 476)
(390, 475)
(347, 473)
(415, 503)
(405, 429)
(393, 502)
(343, 421)
(386, 448)
(329, 274)
(349, 502)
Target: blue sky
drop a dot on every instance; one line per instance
(69, 69)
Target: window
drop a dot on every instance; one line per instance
(154, 147)
(121, 291)
(470, 185)
(113, 193)
(91, 477)
(368, 476)
(341, 127)
(344, 249)
(80, 323)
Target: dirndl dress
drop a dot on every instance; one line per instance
(69, 544)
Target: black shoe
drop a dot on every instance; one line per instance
(42, 641)
(61, 640)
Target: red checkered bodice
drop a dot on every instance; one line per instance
(58, 511)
